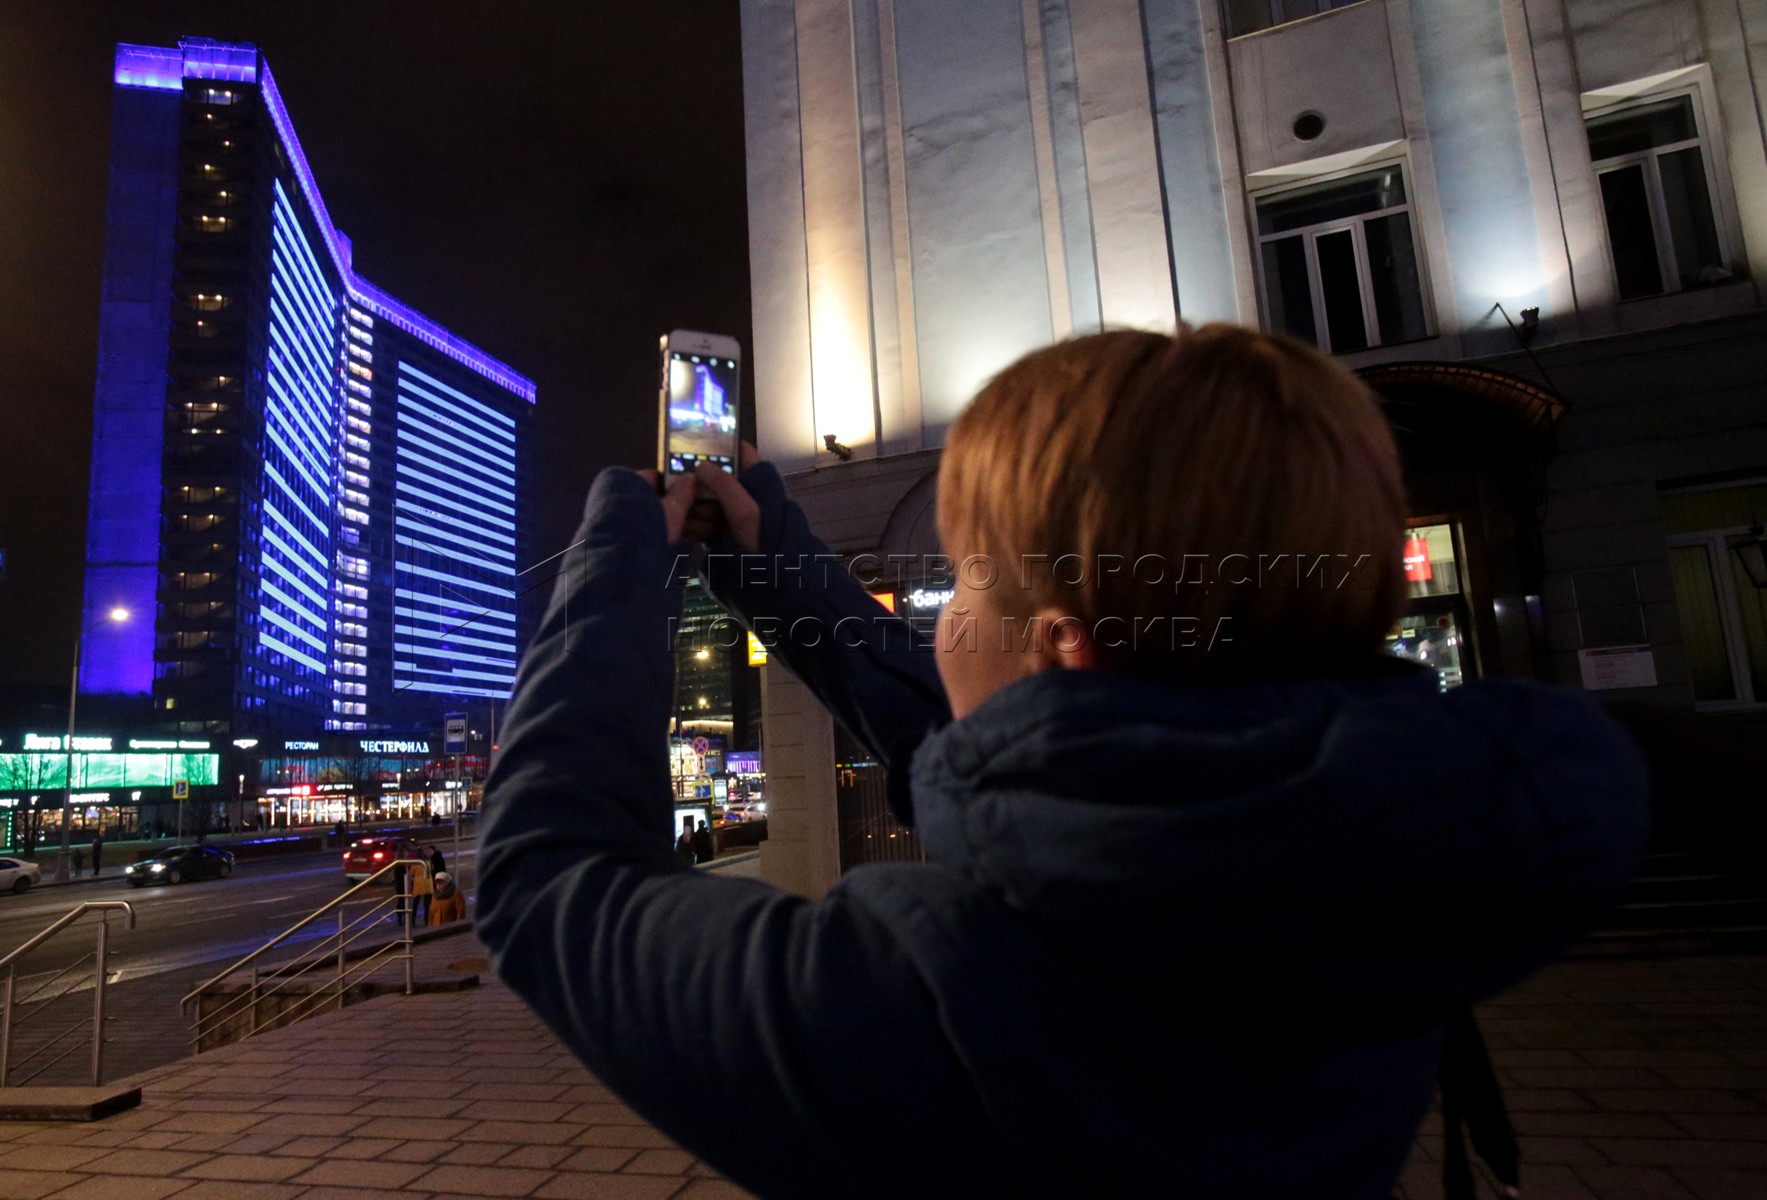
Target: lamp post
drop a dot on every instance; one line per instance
(116, 616)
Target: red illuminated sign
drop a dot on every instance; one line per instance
(1417, 560)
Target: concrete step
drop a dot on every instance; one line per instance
(66, 1103)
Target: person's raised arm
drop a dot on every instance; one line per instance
(864, 663)
(691, 994)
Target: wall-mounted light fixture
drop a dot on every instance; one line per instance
(1751, 551)
(835, 448)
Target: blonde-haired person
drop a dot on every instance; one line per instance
(1196, 908)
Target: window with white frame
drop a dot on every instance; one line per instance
(1713, 532)
(1657, 190)
(1339, 262)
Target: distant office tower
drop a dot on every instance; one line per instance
(311, 496)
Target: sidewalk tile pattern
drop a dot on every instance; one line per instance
(1633, 1080)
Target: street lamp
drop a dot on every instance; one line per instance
(115, 616)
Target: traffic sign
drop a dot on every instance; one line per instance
(180, 789)
(701, 745)
(454, 733)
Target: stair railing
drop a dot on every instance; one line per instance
(16, 1010)
(331, 954)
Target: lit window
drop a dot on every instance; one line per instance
(207, 301)
(212, 224)
(359, 425)
(361, 318)
(360, 371)
(1712, 535)
(356, 460)
(356, 443)
(1656, 192)
(361, 389)
(1249, 16)
(1340, 266)
(357, 478)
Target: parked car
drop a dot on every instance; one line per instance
(737, 813)
(179, 864)
(368, 855)
(18, 875)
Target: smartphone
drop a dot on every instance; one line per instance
(698, 402)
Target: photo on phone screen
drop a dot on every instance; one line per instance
(701, 392)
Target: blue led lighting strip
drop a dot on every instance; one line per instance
(298, 408)
(201, 58)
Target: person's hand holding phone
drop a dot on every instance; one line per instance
(700, 505)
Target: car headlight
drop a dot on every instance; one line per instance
(157, 867)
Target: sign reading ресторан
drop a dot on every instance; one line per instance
(393, 745)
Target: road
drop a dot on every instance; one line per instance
(183, 935)
(188, 924)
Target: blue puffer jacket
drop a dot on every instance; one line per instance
(1169, 940)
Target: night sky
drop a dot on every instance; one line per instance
(558, 183)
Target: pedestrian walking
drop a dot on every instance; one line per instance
(1236, 983)
(422, 889)
(79, 861)
(437, 864)
(704, 848)
(98, 853)
(450, 902)
(684, 844)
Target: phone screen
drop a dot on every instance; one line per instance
(702, 392)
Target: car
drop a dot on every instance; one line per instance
(180, 863)
(741, 811)
(370, 854)
(19, 876)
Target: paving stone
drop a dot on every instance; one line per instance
(477, 1153)
(659, 1162)
(363, 1147)
(47, 1158)
(499, 1110)
(482, 1180)
(33, 1185)
(362, 1174)
(315, 1124)
(1593, 1124)
(407, 1128)
(533, 1132)
(350, 1193)
(1683, 1152)
(418, 1152)
(314, 1106)
(211, 1122)
(262, 1168)
(233, 1143)
(308, 1147)
(542, 1157)
(712, 1189)
(1750, 1127)
(638, 1137)
(1628, 1183)
(1722, 1183)
(603, 1114)
(142, 1162)
(599, 1158)
(573, 1185)
(1562, 1151)
(215, 1189)
(1673, 1100)
(121, 1187)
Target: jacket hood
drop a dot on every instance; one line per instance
(1372, 847)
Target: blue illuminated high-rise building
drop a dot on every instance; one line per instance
(318, 493)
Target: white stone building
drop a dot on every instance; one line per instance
(1537, 226)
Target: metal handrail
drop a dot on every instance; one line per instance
(100, 978)
(285, 934)
(286, 973)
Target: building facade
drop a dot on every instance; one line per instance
(311, 497)
(1535, 228)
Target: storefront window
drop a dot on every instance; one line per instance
(1434, 640)
(1431, 566)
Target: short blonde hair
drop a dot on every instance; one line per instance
(1260, 475)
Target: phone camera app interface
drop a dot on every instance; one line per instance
(702, 410)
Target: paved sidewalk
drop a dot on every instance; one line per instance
(1627, 1080)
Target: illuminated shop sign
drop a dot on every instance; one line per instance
(930, 597)
(55, 741)
(166, 744)
(300, 745)
(1417, 560)
(394, 746)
